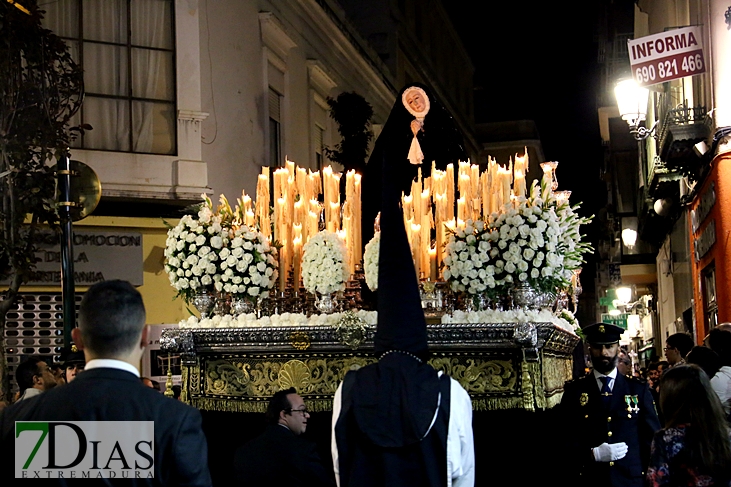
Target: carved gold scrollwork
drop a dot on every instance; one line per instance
(185, 377)
(300, 340)
(477, 375)
(260, 377)
(294, 374)
(526, 385)
(195, 378)
(492, 382)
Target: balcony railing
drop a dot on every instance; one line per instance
(680, 115)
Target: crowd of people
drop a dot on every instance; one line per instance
(663, 425)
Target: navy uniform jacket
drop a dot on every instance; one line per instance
(589, 424)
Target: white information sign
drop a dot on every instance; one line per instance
(663, 57)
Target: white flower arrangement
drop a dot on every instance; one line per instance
(248, 264)
(370, 261)
(284, 319)
(528, 247)
(569, 317)
(192, 252)
(551, 231)
(509, 316)
(470, 259)
(324, 266)
(536, 242)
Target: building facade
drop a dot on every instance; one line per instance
(186, 97)
(678, 174)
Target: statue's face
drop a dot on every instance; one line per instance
(416, 101)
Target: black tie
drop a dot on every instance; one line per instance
(606, 391)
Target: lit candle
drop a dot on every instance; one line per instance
(327, 189)
(440, 200)
(313, 221)
(348, 234)
(424, 244)
(334, 222)
(450, 191)
(297, 244)
(262, 202)
(299, 211)
(249, 219)
(415, 248)
(433, 263)
(407, 205)
(475, 182)
(519, 185)
(290, 167)
(461, 208)
(357, 219)
(503, 189)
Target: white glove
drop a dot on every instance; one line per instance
(609, 452)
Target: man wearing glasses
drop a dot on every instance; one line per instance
(280, 455)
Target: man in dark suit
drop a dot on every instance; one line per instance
(280, 456)
(112, 334)
(610, 418)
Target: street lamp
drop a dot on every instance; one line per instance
(629, 237)
(632, 103)
(624, 294)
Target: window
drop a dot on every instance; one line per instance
(127, 51)
(275, 128)
(319, 157)
(710, 304)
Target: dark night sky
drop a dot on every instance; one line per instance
(538, 61)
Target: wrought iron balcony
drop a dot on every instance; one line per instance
(680, 129)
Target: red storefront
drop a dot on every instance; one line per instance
(710, 231)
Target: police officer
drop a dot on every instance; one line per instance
(610, 418)
(73, 362)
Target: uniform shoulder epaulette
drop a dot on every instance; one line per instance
(636, 380)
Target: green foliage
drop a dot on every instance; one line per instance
(353, 115)
(41, 88)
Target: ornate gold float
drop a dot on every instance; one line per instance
(502, 366)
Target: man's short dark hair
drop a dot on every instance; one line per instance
(719, 340)
(624, 358)
(278, 403)
(682, 341)
(111, 318)
(26, 371)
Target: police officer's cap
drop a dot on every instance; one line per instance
(72, 356)
(602, 333)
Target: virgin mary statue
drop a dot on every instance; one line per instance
(419, 130)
